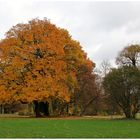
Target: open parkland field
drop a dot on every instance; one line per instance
(69, 127)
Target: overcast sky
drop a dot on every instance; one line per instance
(102, 28)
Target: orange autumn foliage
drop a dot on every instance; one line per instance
(39, 61)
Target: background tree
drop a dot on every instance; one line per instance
(130, 55)
(39, 63)
(109, 106)
(86, 99)
(105, 105)
(123, 87)
(104, 68)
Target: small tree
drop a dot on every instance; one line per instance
(123, 87)
(87, 96)
(105, 67)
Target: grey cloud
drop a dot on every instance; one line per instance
(102, 28)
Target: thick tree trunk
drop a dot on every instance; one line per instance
(46, 109)
(51, 111)
(2, 109)
(67, 109)
(36, 109)
(41, 109)
(30, 108)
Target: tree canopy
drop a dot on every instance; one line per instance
(39, 61)
(123, 87)
(130, 55)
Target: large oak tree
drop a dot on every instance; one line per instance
(39, 62)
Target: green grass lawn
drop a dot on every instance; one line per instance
(63, 128)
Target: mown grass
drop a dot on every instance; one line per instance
(63, 128)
